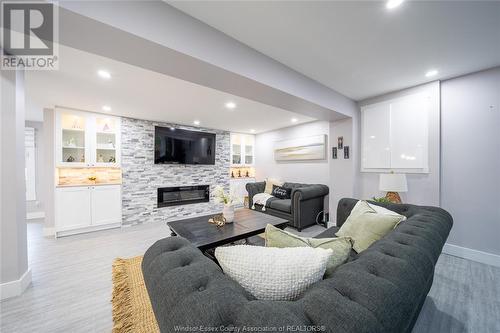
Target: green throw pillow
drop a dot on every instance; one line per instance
(341, 246)
(366, 226)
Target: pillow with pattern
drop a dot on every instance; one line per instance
(281, 192)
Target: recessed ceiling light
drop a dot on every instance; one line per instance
(431, 73)
(391, 4)
(252, 131)
(106, 108)
(230, 105)
(104, 74)
(196, 122)
(294, 120)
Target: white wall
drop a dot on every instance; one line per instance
(423, 189)
(300, 172)
(48, 172)
(342, 171)
(37, 205)
(339, 174)
(470, 183)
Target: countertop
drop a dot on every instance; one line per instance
(86, 185)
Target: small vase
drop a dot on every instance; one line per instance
(228, 213)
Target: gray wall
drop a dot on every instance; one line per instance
(423, 189)
(14, 251)
(470, 166)
(141, 177)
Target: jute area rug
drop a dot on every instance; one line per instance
(132, 311)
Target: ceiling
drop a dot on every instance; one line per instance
(138, 93)
(362, 49)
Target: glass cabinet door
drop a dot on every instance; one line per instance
(105, 140)
(242, 149)
(248, 154)
(73, 143)
(249, 149)
(236, 149)
(236, 157)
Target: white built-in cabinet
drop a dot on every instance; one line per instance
(87, 208)
(395, 135)
(242, 149)
(85, 139)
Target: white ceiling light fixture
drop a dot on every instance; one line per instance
(252, 131)
(106, 108)
(104, 74)
(431, 73)
(230, 105)
(294, 120)
(196, 122)
(391, 4)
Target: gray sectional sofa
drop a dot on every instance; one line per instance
(306, 203)
(380, 290)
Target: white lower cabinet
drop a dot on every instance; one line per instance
(106, 205)
(87, 208)
(72, 208)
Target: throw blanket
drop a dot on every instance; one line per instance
(261, 199)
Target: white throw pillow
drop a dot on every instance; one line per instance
(276, 274)
(385, 211)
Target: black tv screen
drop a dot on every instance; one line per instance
(179, 146)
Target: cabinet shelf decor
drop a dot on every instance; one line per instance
(85, 139)
(242, 149)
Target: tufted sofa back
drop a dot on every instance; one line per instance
(382, 290)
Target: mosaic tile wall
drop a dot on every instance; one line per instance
(141, 177)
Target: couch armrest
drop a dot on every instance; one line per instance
(253, 189)
(187, 289)
(309, 192)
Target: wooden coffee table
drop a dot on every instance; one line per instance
(205, 236)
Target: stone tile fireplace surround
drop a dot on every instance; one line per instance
(141, 177)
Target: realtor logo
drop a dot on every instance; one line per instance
(29, 35)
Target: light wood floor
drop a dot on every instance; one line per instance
(71, 286)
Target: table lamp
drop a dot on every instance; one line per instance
(392, 183)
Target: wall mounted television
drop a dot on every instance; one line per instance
(180, 146)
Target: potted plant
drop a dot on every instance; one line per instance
(228, 199)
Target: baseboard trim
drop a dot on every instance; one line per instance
(49, 231)
(16, 287)
(35, 215)
(70, 232)
(470, 254)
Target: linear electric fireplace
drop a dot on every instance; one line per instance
(182, 195)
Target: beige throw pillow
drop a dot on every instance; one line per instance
(365, 226)
(269, 185)
(341, 246)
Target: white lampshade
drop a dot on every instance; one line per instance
(393, 182)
